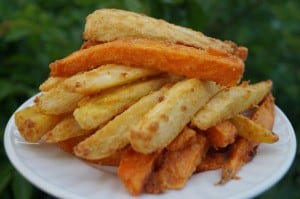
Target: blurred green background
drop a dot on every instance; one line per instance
(33, 33)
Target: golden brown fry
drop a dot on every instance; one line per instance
(157, 55)
(50, 83)
(33, 125)
(97, 110)
(252, 131)
(222, 134)
(178, 166)
(65, 129)
(104, 77)
(111, 24)
(57, 101)
(229, 102)
(68, 144)
(212, 161)
(114, 135)
(166, 120)
(135, 169)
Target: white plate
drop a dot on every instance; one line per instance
(64, 176)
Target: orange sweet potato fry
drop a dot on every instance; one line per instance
(222, 134)
(212, 161)
(135, 169)
(160, 55)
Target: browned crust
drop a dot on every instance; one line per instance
(208, 64)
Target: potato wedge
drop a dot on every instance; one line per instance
(253, 131)
(50, 83)
(114, 135)
(57, 101)
(230, 102)
(104, 77)
(166, 120)
(96, 110)
(32, 124)
(65, 129)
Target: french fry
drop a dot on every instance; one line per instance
(122, 24)
(243, 150)
(96, 110)
(222, 134)
(212, 161)
(57, 101)
(33, 125)
(50, 83)
(178, 166)
(230, 102)
(104, 77)
(166, 120)
(114, 135)
(68, 144)
(252, 131)
(65, 129)
(208, 64)
(135, 169)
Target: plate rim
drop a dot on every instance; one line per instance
(55, 191)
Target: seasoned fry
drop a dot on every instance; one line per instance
(135, 169)
(114, 135)
(111, 24)
(212, 161)
(222, 134)
(50, 83)
(244, 150)
(157, 55)
(57, 101)
(65, 129)
(104, 77)
(96, 110)
(229, 102)
(178, 166)
(165, 121)
(253, 131)
(33, 125)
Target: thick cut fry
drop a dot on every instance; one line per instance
(166, 120)
(243, 150)
(222, 134)
(212, 161)
(50, 83)
(114, 135)
(68, 144)
(229, 102)
(111, 24)
(33, 125)
(253, 131)
(96, 110)
(65, 129)
(157, 55)
(57, 101)
(178, 166)
(135, 169)
(104, 77)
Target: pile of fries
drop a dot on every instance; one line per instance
(158, 101)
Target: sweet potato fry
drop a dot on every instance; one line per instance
(252, 131)
(33, 125)
(243, 150)
(114, 135)
(135, 169)
(96, 110)
(229, 102)
(222, 134)
(65, 129)
(157, 55)
(212, 161)
(111, 24)
(178, 166)
(104, 77)
(166, 120)
(57, 101)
